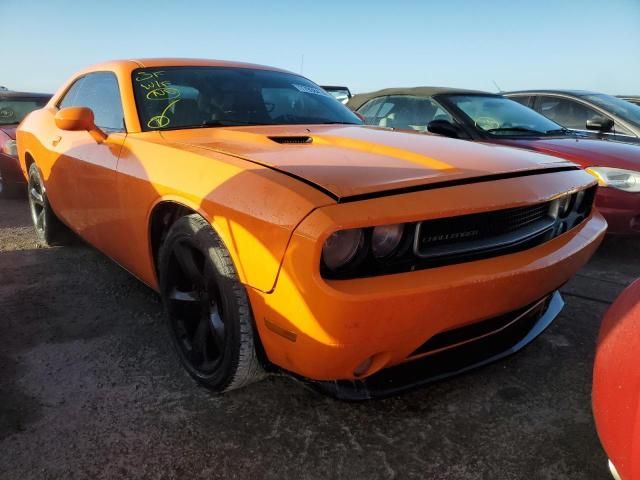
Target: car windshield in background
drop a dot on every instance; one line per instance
(403, 112)
(503, 117)
(14, 109)
(341, 94)
(191, 97)
(624, 109)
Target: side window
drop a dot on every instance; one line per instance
(98, 91)
(405, 112)
(69, 97)
(568, 113)
(620, 130)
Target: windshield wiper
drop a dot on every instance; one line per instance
(516, 129)
(339, 123)
(560, 131)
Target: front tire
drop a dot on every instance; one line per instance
(206, 307)
(49, 229)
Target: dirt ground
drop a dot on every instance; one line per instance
(89, 388)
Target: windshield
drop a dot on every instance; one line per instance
(502, 116)
(626, 110)
(13, 110)
(189, 97)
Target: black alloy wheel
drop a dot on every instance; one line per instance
(207, 309)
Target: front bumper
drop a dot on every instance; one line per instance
(325, 331)
(620, 209)
(329, 330)
(522, 329)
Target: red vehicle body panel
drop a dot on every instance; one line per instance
(9, 165)
(621, 209)
(616, 383)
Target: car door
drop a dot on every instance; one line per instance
(86, 167)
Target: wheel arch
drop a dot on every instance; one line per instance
(162, 215)
(28, 161)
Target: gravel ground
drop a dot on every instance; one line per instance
(89, 388)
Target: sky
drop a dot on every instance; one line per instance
(366, 45)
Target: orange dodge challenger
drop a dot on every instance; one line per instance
(280, 232)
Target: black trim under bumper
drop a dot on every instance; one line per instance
(449, 362)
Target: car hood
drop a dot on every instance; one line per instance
(9, 130)
(584, 151)
(348, 161)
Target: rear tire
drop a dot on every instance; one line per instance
(207, 310)
(49, 229)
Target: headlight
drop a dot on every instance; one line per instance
(385, 239)
(10, 148)
(341, 247)
(626, 180)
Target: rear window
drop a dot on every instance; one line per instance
(13, 110)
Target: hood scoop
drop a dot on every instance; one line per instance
(292, 139)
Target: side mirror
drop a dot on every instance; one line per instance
(444, 127)
(600, 124)
(78, 119)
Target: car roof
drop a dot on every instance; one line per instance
(8, 94)
(179, 62)
(360, 99)
(575, 93)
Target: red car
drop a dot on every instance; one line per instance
(14, 106)
(489, 118)
(616, 384)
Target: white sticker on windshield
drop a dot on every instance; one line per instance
(314, 90)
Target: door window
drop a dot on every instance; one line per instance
(566, 112)
(98, 91)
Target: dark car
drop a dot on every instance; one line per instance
(631, 98)
(490, 118)
(612, 118)
(14, 106)
(342, 94)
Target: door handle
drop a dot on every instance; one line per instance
(56, 140)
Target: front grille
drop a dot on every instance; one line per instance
(476, 235)
(453, 235)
